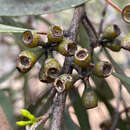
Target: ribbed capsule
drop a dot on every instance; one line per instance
(52, 68)
(103, 69)
(125, 42)
(30, 39)
(67, 47)
(82, 57)
(115, 45)
(126, 13)
(26, 60)
(89, 98)
(111, 32)
(55, 34)
(63, 82)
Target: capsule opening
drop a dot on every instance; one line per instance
(53, 72)
(71, 48)
(107, 68)
(81, 54)
(24, 60)
(59, 86)
(117, 29)
(57, 31)
(27, 37)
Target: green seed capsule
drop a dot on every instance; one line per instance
(115, 45)
(26, 60)
(63, 82)
(43, 78)
(55, 34)
(52, 68)
(103, 69)
(89, 98)
(125, 42)
(111, 32)
(126, 13)
(67, 47)
(24, 123)
(30, 39)
(82, 57)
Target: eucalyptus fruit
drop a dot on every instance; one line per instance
(111, 32)
(67, 47)
(26, 60)
(82, 57)
(55, 34)
(102, 69)
(126, 13)
(89, 98)
(63, 82)
(30, 39)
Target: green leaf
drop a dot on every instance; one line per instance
(35, 7)
(7, 75)
(8, 108)
(117, 69)
(123, 79)
(69, 124)
(11, 29)
(101, 84)
(80, 111)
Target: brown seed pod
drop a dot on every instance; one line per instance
(82, 57)
(103, 69)
(52, 68)
(55, 34)
(126, 13)
(30, 39)
(67, 47)
(111, 32)
(26, 59)
(63, 82)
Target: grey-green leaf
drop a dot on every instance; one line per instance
(35, 7)
(124, 79)
(11, 29)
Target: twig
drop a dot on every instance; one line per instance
(116, 115)
(102, 20)
(59, 104)
(43, 118)
(72, 33)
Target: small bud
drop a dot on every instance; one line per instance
(82, 57)
(30, 39)
(28, 115)
(111, 32)
(89, 98)
(67, 47)
(55, 34)
(26, 60)
(52, 68)
(103, 69)
(23, 123)
(125, 42)
(126, 13)
(115, 45)
(63, 82)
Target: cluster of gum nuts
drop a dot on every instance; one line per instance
(51, 70)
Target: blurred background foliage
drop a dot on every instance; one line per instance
(19, 90)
